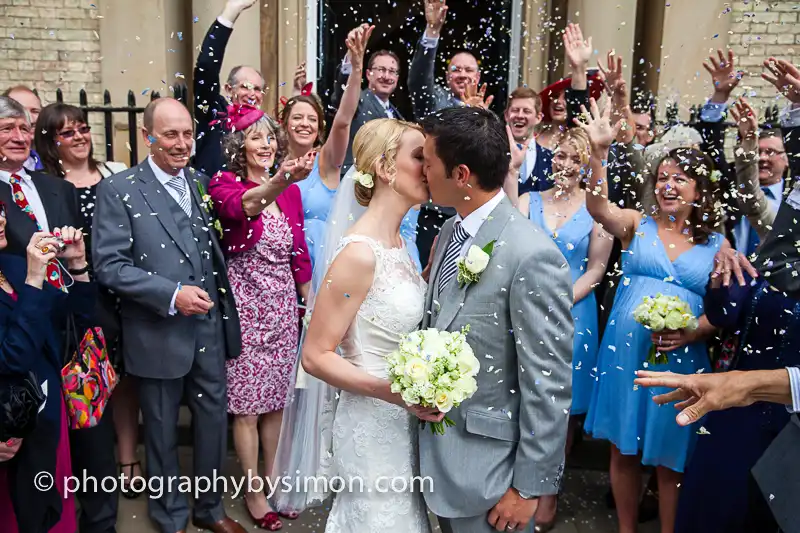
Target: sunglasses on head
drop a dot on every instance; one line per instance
(68, 134)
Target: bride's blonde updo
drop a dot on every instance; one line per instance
(375, 151)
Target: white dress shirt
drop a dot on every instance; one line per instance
(473, 222)
(31, 195)
(163, 178)
(529, 163)
(794, 380)
(386, 106)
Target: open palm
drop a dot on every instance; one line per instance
(598, 126)
(785, 77)
(579, 52)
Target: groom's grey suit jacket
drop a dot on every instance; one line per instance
(513, 430)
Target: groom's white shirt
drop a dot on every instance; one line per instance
(473, 222)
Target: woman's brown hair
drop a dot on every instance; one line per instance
(705, 216)
(51, 120)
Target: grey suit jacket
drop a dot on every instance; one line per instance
(513, 430)
(427, 96)
(778, 475)
(140, 254)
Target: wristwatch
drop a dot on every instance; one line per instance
(525, 496)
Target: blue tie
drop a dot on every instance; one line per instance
(752, 238)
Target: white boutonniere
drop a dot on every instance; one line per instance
(471, 267)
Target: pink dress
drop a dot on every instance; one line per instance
(266, 298)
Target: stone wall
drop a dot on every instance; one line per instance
(52, 44)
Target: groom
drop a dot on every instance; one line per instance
(507, 447)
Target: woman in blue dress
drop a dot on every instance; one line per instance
(303, 122)
(561, 212)
(671, 252)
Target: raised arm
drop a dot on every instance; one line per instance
(335, 149)
(600, 244)
(578, 54)
(112, 251)
(421, 72)
(749, 197)
(621, 223)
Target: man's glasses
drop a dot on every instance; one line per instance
(463, 70)
(69, 134)
(384, 71)
(770, 152)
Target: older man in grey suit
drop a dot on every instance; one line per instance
(507, 446)
(155, 245)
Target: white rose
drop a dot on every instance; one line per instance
(464, 388)
(433, 346)
(657, 322)
(410, 397)
(443, 401)
(476, 260)
(674, 320)
(417, 369)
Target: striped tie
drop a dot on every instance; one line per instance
(178, 184)
(449, 266)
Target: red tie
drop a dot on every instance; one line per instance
(53, 269)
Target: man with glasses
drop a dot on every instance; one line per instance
(383, 73)
(245, 85)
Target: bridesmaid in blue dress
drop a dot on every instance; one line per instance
(303, 122)
(671, 252)
(561, 212)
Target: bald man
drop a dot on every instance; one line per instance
(155, 246)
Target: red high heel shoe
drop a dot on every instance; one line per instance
(269, 521)
(291, 515)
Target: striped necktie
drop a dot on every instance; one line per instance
(178, 184)
(449, 266)
(53, 272)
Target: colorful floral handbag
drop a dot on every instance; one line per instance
(88, 379)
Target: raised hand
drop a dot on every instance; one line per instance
(294, 170)
(234, 8)
(300, 77)
(517, 151)
(598, 126)
(579, 52)
(475, 97)
(612, 77)
(724, 75)
(435, 13)
(785, 77)
(745, 118)
(357, 45)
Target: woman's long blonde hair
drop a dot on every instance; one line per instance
(375, 151)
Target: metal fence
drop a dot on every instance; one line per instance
(132, 110)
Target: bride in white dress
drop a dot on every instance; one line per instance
(370, 296)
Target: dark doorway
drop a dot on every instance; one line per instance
(481, 27)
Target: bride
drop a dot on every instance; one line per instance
(369, 297)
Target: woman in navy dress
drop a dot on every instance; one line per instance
(672, 253)
(718, 494)
(561, 212)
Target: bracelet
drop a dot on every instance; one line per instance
(79, 271)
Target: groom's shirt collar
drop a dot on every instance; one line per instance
(473, 222)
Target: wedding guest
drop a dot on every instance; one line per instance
(268, 267)
(302, 120)
(33, 105)
(32, 312)
(669, 253)
(244, 85)
(561, 212)
(523, 114)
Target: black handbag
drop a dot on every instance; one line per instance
(20, 400)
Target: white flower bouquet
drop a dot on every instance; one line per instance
(663, 312)
(433, 368)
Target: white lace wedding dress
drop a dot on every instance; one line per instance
(374, 441)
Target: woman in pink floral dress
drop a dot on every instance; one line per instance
(268, 266)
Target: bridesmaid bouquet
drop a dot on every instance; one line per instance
(660, 313)
(434, 368)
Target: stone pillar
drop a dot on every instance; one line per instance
(535, 39)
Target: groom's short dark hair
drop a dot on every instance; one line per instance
(474, 137)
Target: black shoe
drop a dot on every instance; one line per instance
(125, 488)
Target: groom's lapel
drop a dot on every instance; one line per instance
(433, 302)
(453, 297)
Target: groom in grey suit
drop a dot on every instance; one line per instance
(154, 244)
(507, 447)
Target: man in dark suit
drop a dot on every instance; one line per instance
(383, 72)
(245, 85)
(53, 202)
(156, 246)
(523, 114)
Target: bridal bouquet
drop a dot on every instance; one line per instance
(660, 313)
(434, 368)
